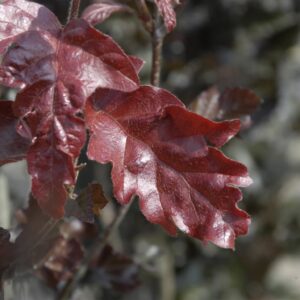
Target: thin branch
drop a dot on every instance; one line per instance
(158, 36)
(93, 252)
(157, 44)
(73, 10)
(153, 25)
(145, 15)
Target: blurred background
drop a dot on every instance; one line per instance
(226, 43)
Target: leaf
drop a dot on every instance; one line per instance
(59, 67)
(6, 250)
(61, 262)
(37, 235)
(13, 147)
(237, 102)
(99, 12)
(166, 10)
(88, 204)
(168, 156)
(207, 103)
(231, 104)
(16, 18)
(115, 270)
(137, 63)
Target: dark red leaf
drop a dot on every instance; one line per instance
(233, 103)
(13, 147)
(59, 68)
(99, 12)
(115, 270)
(37, 235)
(16, 18)
(137, 63)
(61, 261)
(88, 204)
(161, 152)
(6, 250)
(207, 103)
(237, 102)
(166, 9)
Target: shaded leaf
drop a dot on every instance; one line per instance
(233, 103)
(61, 262)
(16, 18)
(88, 204)
(6, 250)
(13, 147)
(115, 270)
(99, 12)
(168, 156)
(59, 67)
(37, 235)
(166, 9)
(237, 102)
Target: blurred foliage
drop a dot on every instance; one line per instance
(247, 43)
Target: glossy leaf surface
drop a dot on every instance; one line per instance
(169, 157)
(16, 18)
(58, 68)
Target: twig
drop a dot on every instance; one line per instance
(144, 15)
(157, 43)
(158, 35)
(157, 32)
(73, 10)
(93, 252)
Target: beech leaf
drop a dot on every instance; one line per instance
(237, 102)
(16, 18)
(169, 157)
(13, 147)
(6, 250)
(231, 104)
(59, 67)
(115, 270)
(99, 12)
(88, 204)
(61, 262)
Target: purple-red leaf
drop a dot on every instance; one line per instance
(6, 250)
(61, 262)
(88, 204)
(207, 103)
(13, 147)
(99, 12)
(166, 9)
(168, 156)
(58, 68)
(237, 102)
(115, 270)
(16, 18)
(233, 103)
